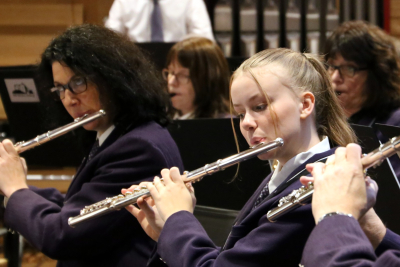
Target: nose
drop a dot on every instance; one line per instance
(249, 123)
(172, 80)
(336, 77)
(70, 99)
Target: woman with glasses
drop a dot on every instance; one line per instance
(197, 74)
(364, 68)
(89, 68)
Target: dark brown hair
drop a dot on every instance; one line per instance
(369, 46)
(116, 65)
(209, 73)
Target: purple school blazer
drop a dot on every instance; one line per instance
(253, 241)
(340, 241)
(128, 156)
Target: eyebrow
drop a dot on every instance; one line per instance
(249, 100)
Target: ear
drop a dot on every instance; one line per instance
(307, 104)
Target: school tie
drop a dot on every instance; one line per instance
(157, 34)
(94, 149)
(264, 193)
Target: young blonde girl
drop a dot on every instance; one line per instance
(275, 93)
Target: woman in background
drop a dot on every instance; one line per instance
(365, 71)
(198, 75)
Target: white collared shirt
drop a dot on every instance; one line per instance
(281, 173)
(187, 116)
(180, 18)
(104, 135)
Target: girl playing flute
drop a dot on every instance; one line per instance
(275, 93)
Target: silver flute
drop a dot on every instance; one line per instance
(117, 202)
(50, 135)
(303, 195)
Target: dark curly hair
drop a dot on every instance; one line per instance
(124, 77)
(209, 73)
(369, 46)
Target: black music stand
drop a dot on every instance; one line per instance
(203, 141)
(388, 199)
(388, 131)
(157, 52)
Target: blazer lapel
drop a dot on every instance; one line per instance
(294, 176)
(247, 208)
(297, 173)
(115, 134)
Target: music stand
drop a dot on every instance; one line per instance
(203, 141)
(388, 199)
(157, 52)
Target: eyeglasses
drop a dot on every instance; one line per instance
(344, 70)
(76, 85)
(181, 78)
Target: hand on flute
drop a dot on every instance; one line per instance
(147, 214)
(167, 197)
(12, 169)
(340, 185)
(172, 195)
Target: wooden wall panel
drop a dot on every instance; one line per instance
(40, 15)
(22, 49)
(395, 18)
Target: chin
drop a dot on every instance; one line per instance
(266, 156)
(91, 126)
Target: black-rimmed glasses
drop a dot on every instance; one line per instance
(76, 85)
(344, 70)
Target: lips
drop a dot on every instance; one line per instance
(81, 114)
(256, 140)
(171, 95)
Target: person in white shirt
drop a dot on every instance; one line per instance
(179, 19)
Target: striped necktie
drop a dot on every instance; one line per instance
(264, 193)
(94, 149)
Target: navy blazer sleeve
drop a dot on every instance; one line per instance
(183, 242)
(51, 194)
(390, 241)
(340, 241)
(43, 220)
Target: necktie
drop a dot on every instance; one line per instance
(94, 149)
(157, 34)
(264, 193)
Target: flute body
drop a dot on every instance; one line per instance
(50, 135)
(117, 202)
(303, 195)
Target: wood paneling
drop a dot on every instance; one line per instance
(395, 18)
(26, 29)
(41, 15)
